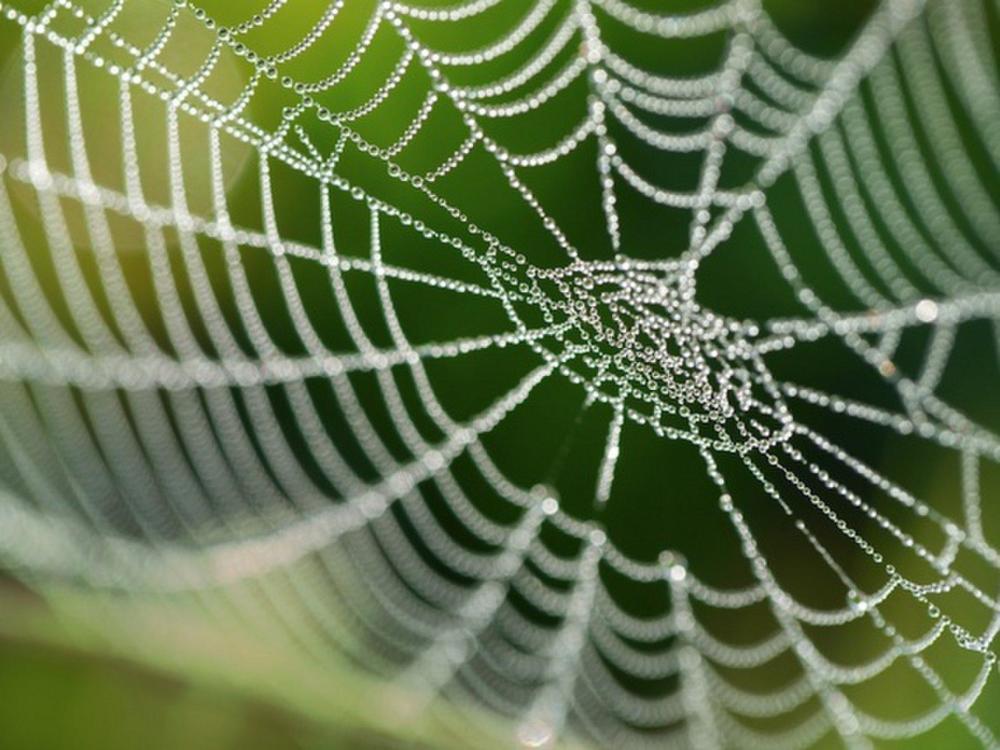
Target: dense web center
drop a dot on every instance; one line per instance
(643, 342)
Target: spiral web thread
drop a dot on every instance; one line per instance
(166, 470)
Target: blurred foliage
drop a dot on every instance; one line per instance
(82, 675)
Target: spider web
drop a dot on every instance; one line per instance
(174, 441)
